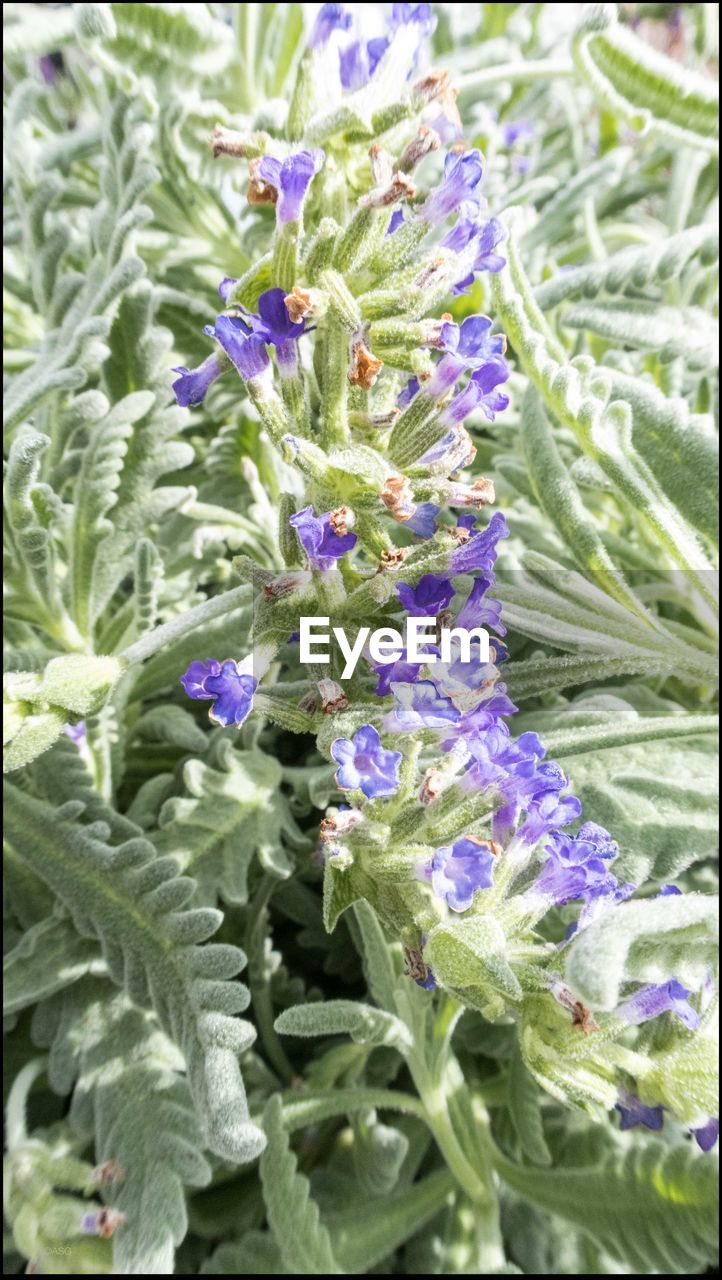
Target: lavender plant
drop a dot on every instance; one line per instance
(424, 333)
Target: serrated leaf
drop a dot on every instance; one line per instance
(526, 1112)
(303, 1241)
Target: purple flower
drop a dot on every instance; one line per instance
(462, 174)
(420, 706)
(76, 732)
(478, 553)
(547, 811)
(633, 1112)
(467, 346)
(472, 233)
(226, 287)
(400, 671)
(354, 65)
(571, 871)
(668, 891)
(423, 521)
(330, 17)
(322, 546)
(660, 997)
(480, 610)
(481, 392)
(410, 390)
(429, 983)
(520, 131)
(193, 384)
(706, 1136)
(397, 218)
(246, 349)
(604, 845)
(428, 598)
(50, 65)
(275, 326)
(291, 178)
(458, 870)
(194, 679)
(228, 685)
(365, 764)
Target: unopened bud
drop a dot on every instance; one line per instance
(374, 421)
(433, 85)
(229, 142)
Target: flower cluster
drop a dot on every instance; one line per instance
(375, 424)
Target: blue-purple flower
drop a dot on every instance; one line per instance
(291, 178)
(633, 1112)
(473, 233)
(275, 325)
(572, 868)
(478, 553)
(423, 521)
(229, 685)
(192, 385)
(660, 997)
(462, 175)
(428, 598)
(459, 870)
(398, 672)
(516, 131)
(246, 349)
(322, 544)
(330, 17)
(480, 609)
(421, 706)
(365, 764)
(466, 346)
(707, 1134)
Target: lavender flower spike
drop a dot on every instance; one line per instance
(291, 178)
(193, 384)
(660, 997)
(317, 537)
(460, 869)
(467, 346)
(364, 764)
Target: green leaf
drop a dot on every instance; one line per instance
(643, 87)
(651, 1207)
(363, 1238)
(304, 1242)
(526, 1112)
(647, 941)
(49, 957)
(362, 1022)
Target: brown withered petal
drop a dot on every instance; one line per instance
(309, 701)
(381, 164)
(485, 489)
(432, 85)
(281, 586)
(431, 786)
(582, 1018)
(365, 368)
(108, 1220)
(414, 965)
(298, 304)
(259, 192)
(392, 558)
(397, 495)
(229, 142)
(109, 1171)
(399, 187)
(426, 141)
(333, 697)
(341, 520)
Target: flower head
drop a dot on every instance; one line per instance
(291, 179)
(460, 869)
(365, 764)
(421, 706)
(322, 545)
(468, 346)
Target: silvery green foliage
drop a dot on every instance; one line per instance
(322, 1113)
